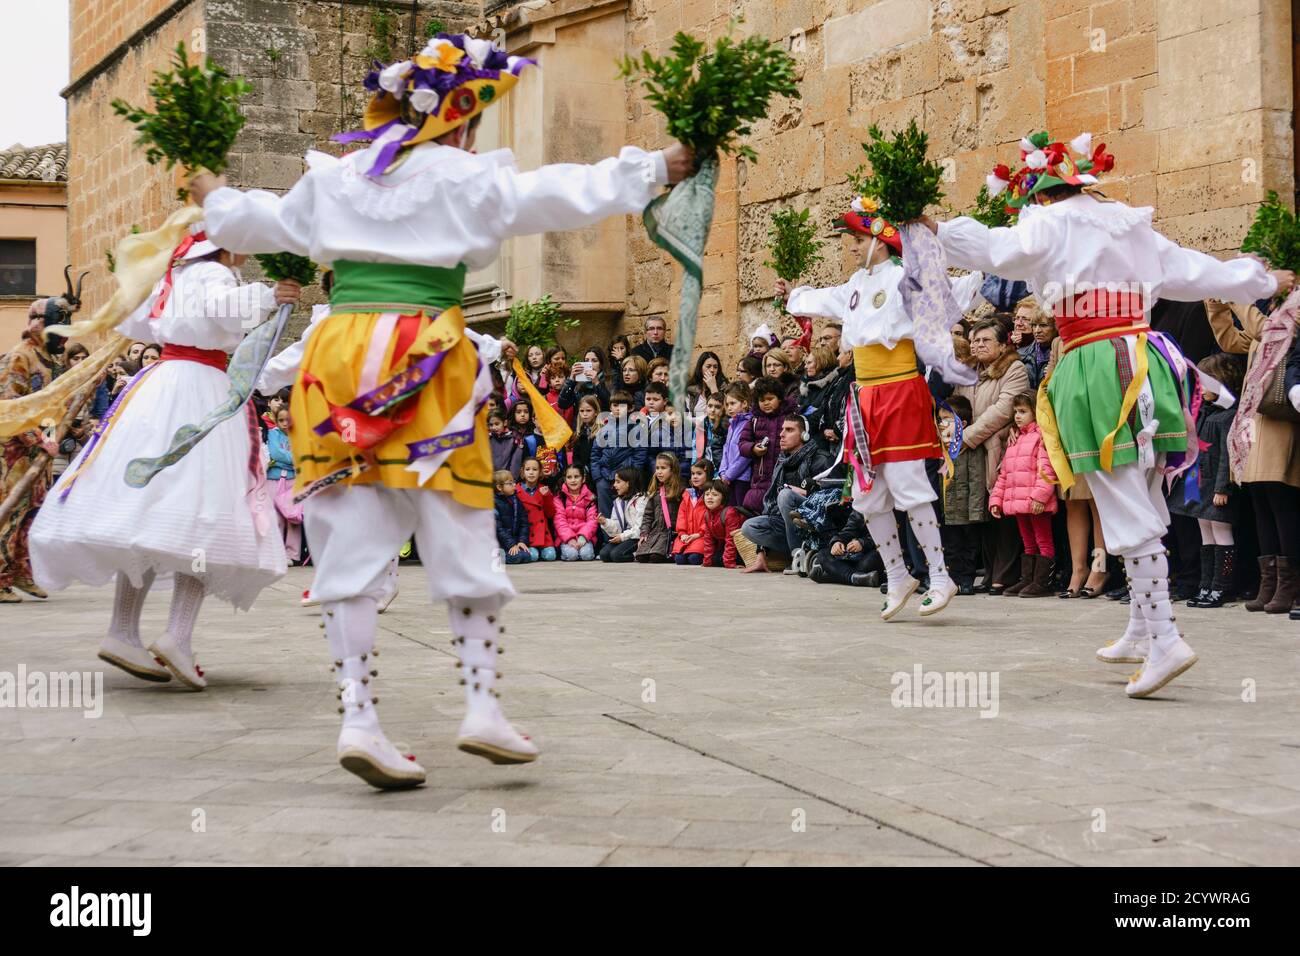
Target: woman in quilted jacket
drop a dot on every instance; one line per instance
(1025, 490)
(575, 517)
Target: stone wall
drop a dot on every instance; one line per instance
(1194, 97)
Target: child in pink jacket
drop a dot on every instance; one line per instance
(575, 517)
(1026, 488)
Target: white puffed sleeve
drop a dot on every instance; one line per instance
(282, 369)
(233, 307)
(138, 325)
(965, 288)
(831, 302)
(570, 195)
(258, 221)
(1007, 252)
(1189, 276)
(489, 349)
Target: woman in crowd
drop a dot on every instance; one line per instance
(706, 381)
(1002, 377)
(586, 377)
(820, 369)
(636, 375)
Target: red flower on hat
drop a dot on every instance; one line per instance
(1102, 161)
(1055, 153)
(1002, 172)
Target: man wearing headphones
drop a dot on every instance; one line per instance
(800, 461)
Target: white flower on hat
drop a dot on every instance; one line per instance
(1036, 160)
(424, 101)
(1082, 144)
(393, 78)
(857, 206)
(1026, 146)
(437, 48)
(995, 184)
(478, 50)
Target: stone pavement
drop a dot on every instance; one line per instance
(685, 716)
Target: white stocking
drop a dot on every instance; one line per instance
(128, 602)
(884, 532)
(926, 528)
(187, 598)
(1149, 591)
(350, 627)
(1137, 623)
(477, 629)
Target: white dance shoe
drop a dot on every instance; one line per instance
(937, 598)
(1160, 668)
(307, 599)
(896, 598)
(136, 661)
(376, 761)
(181, 665)
(1127, 650)
(495, 739)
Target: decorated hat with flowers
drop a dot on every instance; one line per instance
(864, 219)
(1048, 164)
(453, 79)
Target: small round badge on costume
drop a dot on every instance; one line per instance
(878, 300)
(853, 300)
(877, 226)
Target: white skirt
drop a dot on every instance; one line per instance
(192, 518)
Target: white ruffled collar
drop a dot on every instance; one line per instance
(1113, 218)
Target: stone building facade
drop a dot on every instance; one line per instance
(1194, 97)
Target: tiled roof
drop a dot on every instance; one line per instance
(37, 163)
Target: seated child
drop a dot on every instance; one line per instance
(511, 520)
(696, 523)
(540, 505)
(507, 446)
(659, 524)
(575, 517)
(623, 527)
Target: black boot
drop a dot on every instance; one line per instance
(1225, 567)
(1207, 575)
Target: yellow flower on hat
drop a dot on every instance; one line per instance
(869, 205)
(440, 55)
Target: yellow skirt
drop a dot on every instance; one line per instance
(341, 434)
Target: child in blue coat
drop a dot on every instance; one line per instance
(512, 520)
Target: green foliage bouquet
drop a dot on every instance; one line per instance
(196, 118)
(990, 210)
(536, 323)
(280, 266)
(710, 98)
(1274, 235)
(903, 180)
(792, 246)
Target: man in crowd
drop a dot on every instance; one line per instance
(655, 344)
(800, 461)
(830, 337)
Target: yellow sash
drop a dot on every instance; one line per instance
(877, 365)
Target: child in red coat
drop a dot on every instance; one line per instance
(540, 505)
(1026, 489)
(694, 544)
(575, 517)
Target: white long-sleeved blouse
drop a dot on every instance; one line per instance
(1084, 240)
(208, 309)
(441, 207)
(870, 305)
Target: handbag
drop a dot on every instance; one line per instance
(1274, 402)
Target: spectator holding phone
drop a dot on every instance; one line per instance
(585, 378)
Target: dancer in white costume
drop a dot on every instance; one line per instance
(193, 526)
(389, 428)
(279, 373)
(1115, 408)
(891, 402)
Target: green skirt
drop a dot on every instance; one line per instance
(1086, 397)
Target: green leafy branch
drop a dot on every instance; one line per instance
(1274, 235)
(536, 323)
(281, 266)
(710, 99)
(990, 210)
(196, 118)
(902, 180)
(792, 246)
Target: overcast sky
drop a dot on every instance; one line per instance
(33, 68)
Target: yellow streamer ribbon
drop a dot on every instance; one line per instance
(555, 430)
(142, 260)
(1130, 399)
(1046, 416)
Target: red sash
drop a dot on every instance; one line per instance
(1099, 314)
(213, 358)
